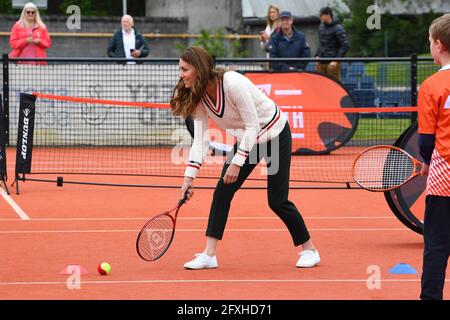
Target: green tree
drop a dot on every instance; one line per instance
(237, 51)
(214, 43)
(6, 7)
(402, 34)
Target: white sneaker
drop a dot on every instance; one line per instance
(201, 261)
(308, 259)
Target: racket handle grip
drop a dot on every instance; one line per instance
(183, 200)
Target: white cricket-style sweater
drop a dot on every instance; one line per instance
(243, 111)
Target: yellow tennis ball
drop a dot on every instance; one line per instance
(104, 268)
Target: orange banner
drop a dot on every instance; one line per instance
(316, 132)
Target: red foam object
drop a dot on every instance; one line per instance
(73, 268)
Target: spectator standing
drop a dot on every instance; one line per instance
(273, 23)
(127, 42)
(29, 36)
(233, 102)
(333, 42)
(288, 42)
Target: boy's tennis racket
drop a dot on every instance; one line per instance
(157, 234)
(384, 168)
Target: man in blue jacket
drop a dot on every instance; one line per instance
(127, 42)
(288, 43)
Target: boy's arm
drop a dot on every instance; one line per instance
(426, 146)
(427, 116)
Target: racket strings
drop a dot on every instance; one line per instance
(383, 168)
(156, 237)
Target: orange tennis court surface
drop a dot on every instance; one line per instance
(46, 228)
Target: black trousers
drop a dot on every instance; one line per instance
(436, 236)
(277, 154)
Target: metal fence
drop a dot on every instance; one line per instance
(372, 82)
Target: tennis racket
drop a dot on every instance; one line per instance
(157, 234)
(384, 168)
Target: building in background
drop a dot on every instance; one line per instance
(178, 17)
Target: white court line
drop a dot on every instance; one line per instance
(14, 205)
(288, 93)
(211, 281)
(193, 230)
(198, 218)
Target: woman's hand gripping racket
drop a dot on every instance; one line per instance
(384, 168)
(157, 234)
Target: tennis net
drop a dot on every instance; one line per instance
(118, 138)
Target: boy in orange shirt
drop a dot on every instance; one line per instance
(434, 146)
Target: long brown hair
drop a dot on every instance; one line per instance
(185, 100)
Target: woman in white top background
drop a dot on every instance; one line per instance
(273, 23)
(236, 105)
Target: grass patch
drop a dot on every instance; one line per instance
(398, 74)
(381, 128)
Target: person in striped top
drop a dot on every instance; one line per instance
(236, 105)
(434, 147)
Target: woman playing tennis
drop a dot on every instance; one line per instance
(236, 105)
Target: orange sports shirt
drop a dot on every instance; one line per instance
(434, 118)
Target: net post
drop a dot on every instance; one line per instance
(3, 181)
(25, 133)
(16, 182)
(5, 70)
(3, 171)
(413, 85)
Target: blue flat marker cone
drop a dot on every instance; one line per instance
(403, 268)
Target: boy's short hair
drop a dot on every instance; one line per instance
(327, 11)
(440, 30)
